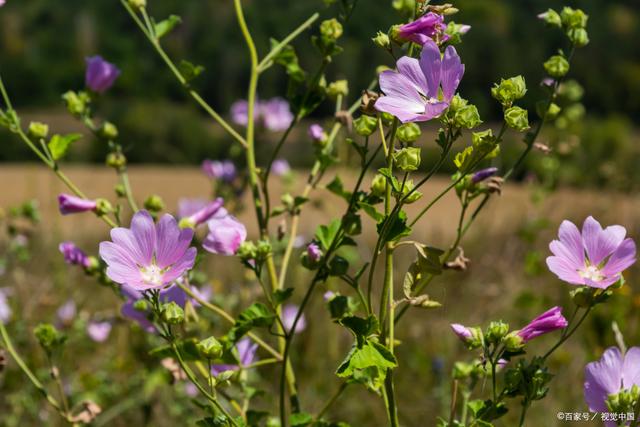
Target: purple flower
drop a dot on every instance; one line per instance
(224, 170)
(100, 74)
(73, 255)
(314, 252)
(226, 234)
(206, 213)
(412, 92)
(274, 114)
(424, 29)
(240, 112)
(246, 355)
(171, 294)
(191, 390)
(462, 332)
(69, 204)
(316, 132)
(610, 375)
(595, 258)
(187, 207)
(328, 296)
(99, 331)
(548, 321)
(280, 167)
(5, 310)
(67, 312)
(483, 174)
(148, 255)
(289, 313)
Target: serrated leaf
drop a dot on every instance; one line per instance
(59, 144)
(337, 187)
(257, 315)
(327, 233)
(164, 27)
(190, 71)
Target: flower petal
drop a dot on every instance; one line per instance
(431, 64)
(410, 68)
(564, 270)
(396, 85)
(601, 243)
(181, 265)
(623, 258)
(631, 368)
(603, 378)
(572, 240)
(171, 241)
(144, 232)
(404, 110)
(452, 72)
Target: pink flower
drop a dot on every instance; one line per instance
(5, 310)
(205, 213)
(99, 331)
(314, 252)
(69, 204)
(595, 258)
(280, 167)
(413, 92)
(100, 74)
(316, 132)
(289, 313)
(610, 375)
(226, 234)
(148, 255)
(67, 312)
(223, 170)
(426, 28)
(187, 207)
(274, 114)
(461, 332)
(548, 321)
(73, 255)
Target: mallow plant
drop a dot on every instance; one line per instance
(155, 261)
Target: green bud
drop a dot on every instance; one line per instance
(583, 296)
(457, 102)
(575, 112)
(210, 348)
(462, 370)
(186, 222)
(263, 249)
(578, 36)
(513, 342)
(382, 40)
(338, 266)
(116, 160)
(394, 34)
(551, 17)
(557, 66)
(387, 119)
(38, 130)
(120, 190)
(287, 200)
(154, 203)
(339, 87)
(415, 195)
(407, 159)
(331, 29)
(365, 125)
(103, 207)
(92, 264)
(552, 111)
(509, 90)
(404, 6)
(49, 337)
(247, 251)
(467, 117)
(141, 305)
(137, 4)
(408, 133)
(476, 340)
(573, 18)
(496, 331)
(378, 185)
(517, 118)
(172, 313)
(108, 131)
(572, 90)
(77, 103)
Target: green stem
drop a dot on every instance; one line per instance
(566, 336)
(523, 414)
(266, 61)
(124, 177)
(331, 401)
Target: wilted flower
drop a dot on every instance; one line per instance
(412, 92)
(224, 170)
(67, 312)
(100, 74)
(595, 258)
(246, 355)
(548, 321)
(69, 204)
(483, 174)
(5, 310)
(99, 331)
(610, 375)
(424, 29)
(73, 255)
(316, 132)
(280, 167)
(274, 114)
(289, 313)
(226, 234)
(148, 255)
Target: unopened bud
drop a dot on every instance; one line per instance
(551, 17)
(378, 185)
(496, 331)
(108, 131)
(407, 159)
(172, 313)
(339, 87)
(331, 29)
(517, 118)
(382, 40)
(408, 133)
(38, 130)
(116, 160)
(210, 348)
(154, 203)
(557, 66)
(365, 125)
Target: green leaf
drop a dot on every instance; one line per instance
(337, 188)
(164, 27)
(371, 210)
(300, 419)
(59, 144)
(361, 327)
(190, 71)
(281, 295)
(288, 58)
(396, 228)
(372, 360)
(187, 348)
(327, 233)
(339, 306)
(257, 315)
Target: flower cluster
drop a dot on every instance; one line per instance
(274, 114)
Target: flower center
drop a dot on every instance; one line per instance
(152, 274)
(591, 272)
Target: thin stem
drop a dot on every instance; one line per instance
(566, 336)
(55, 375)
(523, 414)
(266, 61)
(454, 398)
(124, 177)
(331, 401)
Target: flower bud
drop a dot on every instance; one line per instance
(100, 74)
(382, 40)
(578, 36)
(210, 348)
(69, 204)
(317, 134)
(496, 331)
(77, 103)
(408, 133)
(467, 117)
(38, 130)
(141, 305)
(509, 90)
(116, 160)
(49, 337)
(573, 18)
(247, 251)
(108, 131)
(331, 29)
(557, 66)
(103, 207)
(483, 174)
(138, 4)
(154, 203)
(517, 118)
(365, 125)
(407, 159)
(457, 102)
(379, 185)
(513, 342)
(263, 249)
(408, 188)
(120, 190)
(314, 252)
(551, 17)
(339, 87)
(472, 337)
(172, 313)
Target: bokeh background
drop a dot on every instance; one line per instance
(592, 170)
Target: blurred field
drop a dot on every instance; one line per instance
(507, 277)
